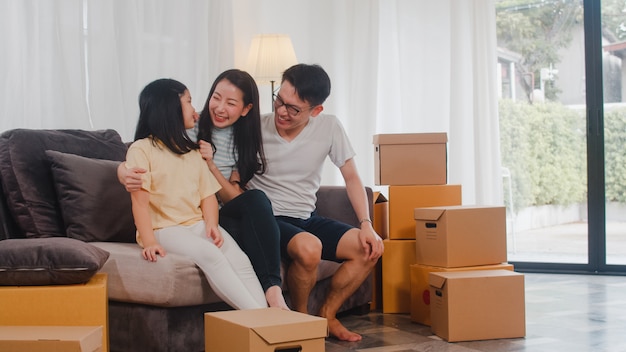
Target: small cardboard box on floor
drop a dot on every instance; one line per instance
(477, 305)
(410, 159)
(464, 235)
(261, 330)
(420, 288)
(396, 285)
(58, 305)
(51, 338)
(404, 199)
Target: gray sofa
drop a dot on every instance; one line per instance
(73, 192)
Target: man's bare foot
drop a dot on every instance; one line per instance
(275, 298)
(340, 332)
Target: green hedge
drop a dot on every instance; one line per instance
(614, 154)
(544, 147)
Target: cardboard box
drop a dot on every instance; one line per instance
(62, 305)
(456, 236)
(267, 329)
(380, 220)
(404, 199)
(420, 288)
(396, 285)
(51, 338)
(477, 305)
(410, 159)
(377, 286)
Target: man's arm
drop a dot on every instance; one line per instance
(370, 240)
(130, 178)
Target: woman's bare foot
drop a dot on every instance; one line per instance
(340, 332)
(275, 298)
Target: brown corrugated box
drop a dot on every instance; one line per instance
(396, 285)
(410, 159)
(51, 338)
(420, 288)
(404, 199)
(456, 236)
(63, 305)
(380, 222)
(266, 329)
(477, 305)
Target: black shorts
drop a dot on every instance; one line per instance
(329, 231)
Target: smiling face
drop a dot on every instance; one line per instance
(190, 116)
(290, 123)
(226, 105)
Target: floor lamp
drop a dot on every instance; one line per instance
(269, 56)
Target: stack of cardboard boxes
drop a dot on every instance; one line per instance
(444, 263)
(414, 167)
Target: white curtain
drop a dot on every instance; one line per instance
(42, 75)
(397, 66)
(437, 73)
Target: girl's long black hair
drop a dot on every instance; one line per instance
(161, 116)
(248, 145)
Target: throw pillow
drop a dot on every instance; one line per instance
(94, 205)
(26, 176)
(48, 261)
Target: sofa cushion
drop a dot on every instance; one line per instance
(48, 261)
(94, 205)
(26, 175)
(171, 281)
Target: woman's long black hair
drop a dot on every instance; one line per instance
(161, 115)
(248, 145)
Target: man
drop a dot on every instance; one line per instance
(296, 141)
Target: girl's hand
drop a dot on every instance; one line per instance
(206, 150)
(215, 233)
(150, 252)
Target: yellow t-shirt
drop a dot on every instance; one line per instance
(177, 183)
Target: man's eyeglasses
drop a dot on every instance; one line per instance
(292, 111)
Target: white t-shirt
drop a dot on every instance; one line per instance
(294, 169)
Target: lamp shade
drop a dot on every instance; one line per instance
(269, 56)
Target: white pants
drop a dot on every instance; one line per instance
(227, 268)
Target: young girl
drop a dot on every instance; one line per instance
(176, 208)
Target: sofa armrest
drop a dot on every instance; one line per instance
(333, 202)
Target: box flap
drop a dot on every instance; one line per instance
(411, 138)
(435, 280)
(429, 214)
(294, 331)
(379, 197)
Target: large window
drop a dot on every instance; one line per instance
(553, 77)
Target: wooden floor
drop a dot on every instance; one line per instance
(563, 313)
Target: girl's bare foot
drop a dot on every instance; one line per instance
(275, 298)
